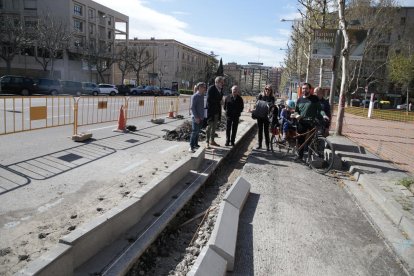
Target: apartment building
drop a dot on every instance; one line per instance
(172, 62)
(93, 27)
(253, 77)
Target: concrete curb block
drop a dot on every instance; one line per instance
(395, 213)
(208, 263)
(88, 239)
(237, 194)
(223, 239)
(224, 236)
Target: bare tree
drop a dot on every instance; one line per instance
(99, 57)
(13, 39)
(123, 62)
(52, 38)
(140, 58)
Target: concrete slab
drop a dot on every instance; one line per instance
(224, 236)
(208, 263)
(238, 193)
(57, 261)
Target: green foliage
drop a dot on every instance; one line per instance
(401, 69)
(406, 182)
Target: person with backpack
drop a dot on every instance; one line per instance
(264, 101)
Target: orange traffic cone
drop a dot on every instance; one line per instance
(121, 121)
(171, 111)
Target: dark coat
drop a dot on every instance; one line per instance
(233, 106)
(214, 98)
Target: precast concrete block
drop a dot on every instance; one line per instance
(197, 158)
(224, 236)
(208, 263)
(57, 261)
(238, 193)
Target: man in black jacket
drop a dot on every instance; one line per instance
(233, 105)
(214, 97)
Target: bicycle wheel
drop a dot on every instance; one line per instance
(321, 155)
(277, 146)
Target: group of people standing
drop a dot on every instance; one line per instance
(208, 107)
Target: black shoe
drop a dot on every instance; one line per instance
(227, 144)
(268, 149)
(196, 146)
(232, 144)
(259, 147)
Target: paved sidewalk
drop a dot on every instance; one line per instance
(297, 222)
(301, 224)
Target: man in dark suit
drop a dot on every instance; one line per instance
(214, 98)
(233, 105)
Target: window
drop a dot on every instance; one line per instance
(109, 35)
(1, 4)
(91, 28)
(77, 9)
(78, 25)
(30, 4)
(91, 14)
(109, 21)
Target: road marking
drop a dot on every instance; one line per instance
(103, 128)
(134, 165)
(168, 149)
(47, 206)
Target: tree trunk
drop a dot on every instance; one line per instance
(345, 59)
(321, 72)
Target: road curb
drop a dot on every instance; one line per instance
(223, 239)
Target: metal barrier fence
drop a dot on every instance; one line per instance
(28, 113)
(19, 114)
(381, 114)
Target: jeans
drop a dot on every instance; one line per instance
(194, 133)
(231, 129)
(211, 128)
(303, 127)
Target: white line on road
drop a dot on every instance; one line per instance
(103, 127)
(130, 167)
(47, 206)
(168, 149)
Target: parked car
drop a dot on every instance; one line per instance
(355, 102)
(48, 86)
(139, 90)
(108, 89)
(17, 85)
(402, 106)
(90, 88)
(169, 92)
(71, 87)
(124, 89)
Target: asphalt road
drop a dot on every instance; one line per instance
(298, 222)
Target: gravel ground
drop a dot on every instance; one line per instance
(178, 247)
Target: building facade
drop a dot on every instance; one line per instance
(173, 62)
(92, 26)
(253, 77)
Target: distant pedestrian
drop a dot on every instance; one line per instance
(197, 117)
(233, 105)
(410, 106)
(265, 99)
(214, 99)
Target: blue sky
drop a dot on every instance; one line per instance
(236, 30)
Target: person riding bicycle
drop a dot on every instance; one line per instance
(286, 121)
(308, 109)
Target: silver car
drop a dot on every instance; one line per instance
(108, 89)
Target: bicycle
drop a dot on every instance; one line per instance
(321, 152)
